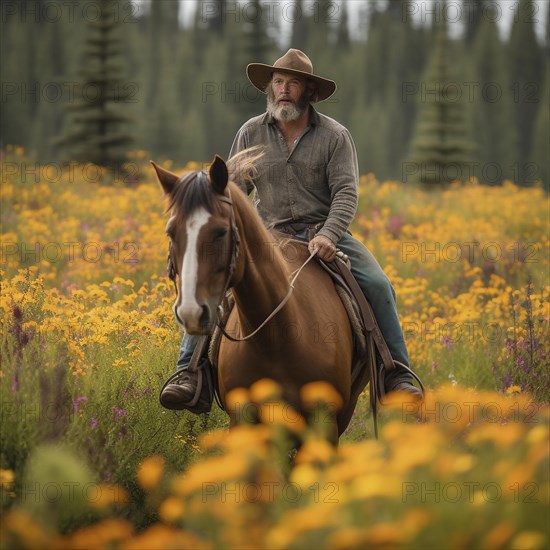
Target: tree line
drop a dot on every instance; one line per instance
(103, 77)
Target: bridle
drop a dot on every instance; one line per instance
(235, 237)
(236, 245)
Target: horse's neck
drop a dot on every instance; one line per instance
(265, 280)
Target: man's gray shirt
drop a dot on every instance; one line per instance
(316, 182)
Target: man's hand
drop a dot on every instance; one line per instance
(325, 248)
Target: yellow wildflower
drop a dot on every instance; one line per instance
(150, 472)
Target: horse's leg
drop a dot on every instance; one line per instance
(332, 433)
(345, 415)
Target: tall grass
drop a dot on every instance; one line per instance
(88, 338)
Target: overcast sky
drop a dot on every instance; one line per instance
(422, 9)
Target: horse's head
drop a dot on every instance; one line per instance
(203, 242)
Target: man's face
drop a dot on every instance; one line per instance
(287, 97)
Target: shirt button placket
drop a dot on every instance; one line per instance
(290, 185)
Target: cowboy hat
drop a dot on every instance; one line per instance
(293, 62)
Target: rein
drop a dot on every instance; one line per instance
(273, 313)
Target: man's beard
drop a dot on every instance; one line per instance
(284, 112)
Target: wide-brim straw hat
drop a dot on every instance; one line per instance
(293, 62)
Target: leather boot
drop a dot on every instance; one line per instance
(400, 380)
(179, 390)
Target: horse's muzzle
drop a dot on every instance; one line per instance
(205, 319)
(195, 320)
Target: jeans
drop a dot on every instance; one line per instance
(379, 292)
(188, 344)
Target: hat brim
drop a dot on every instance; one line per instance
(260, 74)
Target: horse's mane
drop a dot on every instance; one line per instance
(242, 169)
(242, 166)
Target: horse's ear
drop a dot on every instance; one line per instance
(166, 178)
(218, 175)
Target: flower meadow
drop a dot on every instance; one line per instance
(89, 459)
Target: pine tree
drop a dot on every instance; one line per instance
(321, 36)
(212, 16)
(476, 11)
(155, 33)
(95, 134)
(252, 44)
(161, 114)
(539, 167)
(404, 54)
(200, 36)
(342, 31)
(526, 73)
(301, 25)
(217, 117)
(395, 54)
(48, 120)
(441, 148)
(21, 89)
(375, 58)
(492, 100)
(372, 131)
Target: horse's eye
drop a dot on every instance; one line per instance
(220, 233)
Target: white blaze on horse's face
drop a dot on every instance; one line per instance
(187, 309)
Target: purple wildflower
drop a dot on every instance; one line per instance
(119, 413)
(395, 224)
(93, 423)
(446, 341)
(78, 401)
(520, 362)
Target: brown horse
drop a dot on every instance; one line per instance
(213, 225)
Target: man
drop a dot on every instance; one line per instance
(308, 177)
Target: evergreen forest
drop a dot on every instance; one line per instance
(431, 92)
